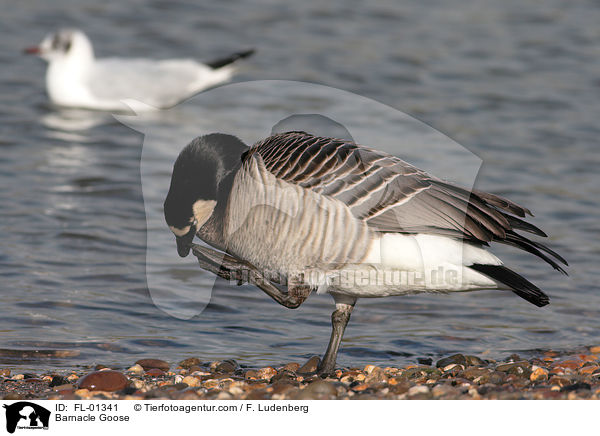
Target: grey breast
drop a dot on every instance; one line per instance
(281, 226)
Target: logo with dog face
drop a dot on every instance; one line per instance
(26, 415)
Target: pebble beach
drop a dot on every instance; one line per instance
(548, 375)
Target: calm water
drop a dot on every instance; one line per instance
(516, 83)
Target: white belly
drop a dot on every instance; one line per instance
(404, 264)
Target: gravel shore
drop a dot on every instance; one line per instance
(550, 375)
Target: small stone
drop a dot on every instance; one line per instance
(100, 367)
(369, 368)
(187, 395)
(455, 358)
(399, 386)
(389, 370)
(580, 394)
(474, 393)
(425, 360)
(454, 368)
(513, 358)
(576, 387)
(226, 366)
(155, 372)
(127, 390)
(478, 375)
(189, 362)
(211, 384)
(352, 376)
(443, 391)
(5, 372)
(282, 387)
(136, 369)
(223, 396)
(58, 380)
(474, 361)
(258, 394)
(539, 374)
(251, 374)
(570, 364)
(236, 390)
(595, 349)
(266, 373)
(284, 376)
(18, 377)
(376, 377)
(518, 368)
(72, 377)
(360, 387)
(588, 357)
(191, 381)
(496, 378)
(420, 389)
(424, 371)
(559, 381)
(103, 381)
(224, 383)
(590, 369)
(319, 389)
(64, 388)
(153, 363)
(84, 393)
(310, 366)
(293, 367)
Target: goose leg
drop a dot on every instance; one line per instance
(339, 321)
(230, 268)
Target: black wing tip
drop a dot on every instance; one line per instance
(518, 284)
(540, 300)
(538, 249)
(222, 62)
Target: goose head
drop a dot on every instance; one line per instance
(194, 191)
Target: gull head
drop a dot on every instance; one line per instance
(63, 45)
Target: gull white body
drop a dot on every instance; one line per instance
(76, 78)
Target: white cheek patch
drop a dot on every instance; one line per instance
(202, 210)
(180, 232)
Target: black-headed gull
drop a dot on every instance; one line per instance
(75, 78)
(329, 215)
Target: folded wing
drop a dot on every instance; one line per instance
(391, 195)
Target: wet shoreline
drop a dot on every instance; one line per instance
(548, 375)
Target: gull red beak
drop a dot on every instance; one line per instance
(32, 50)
